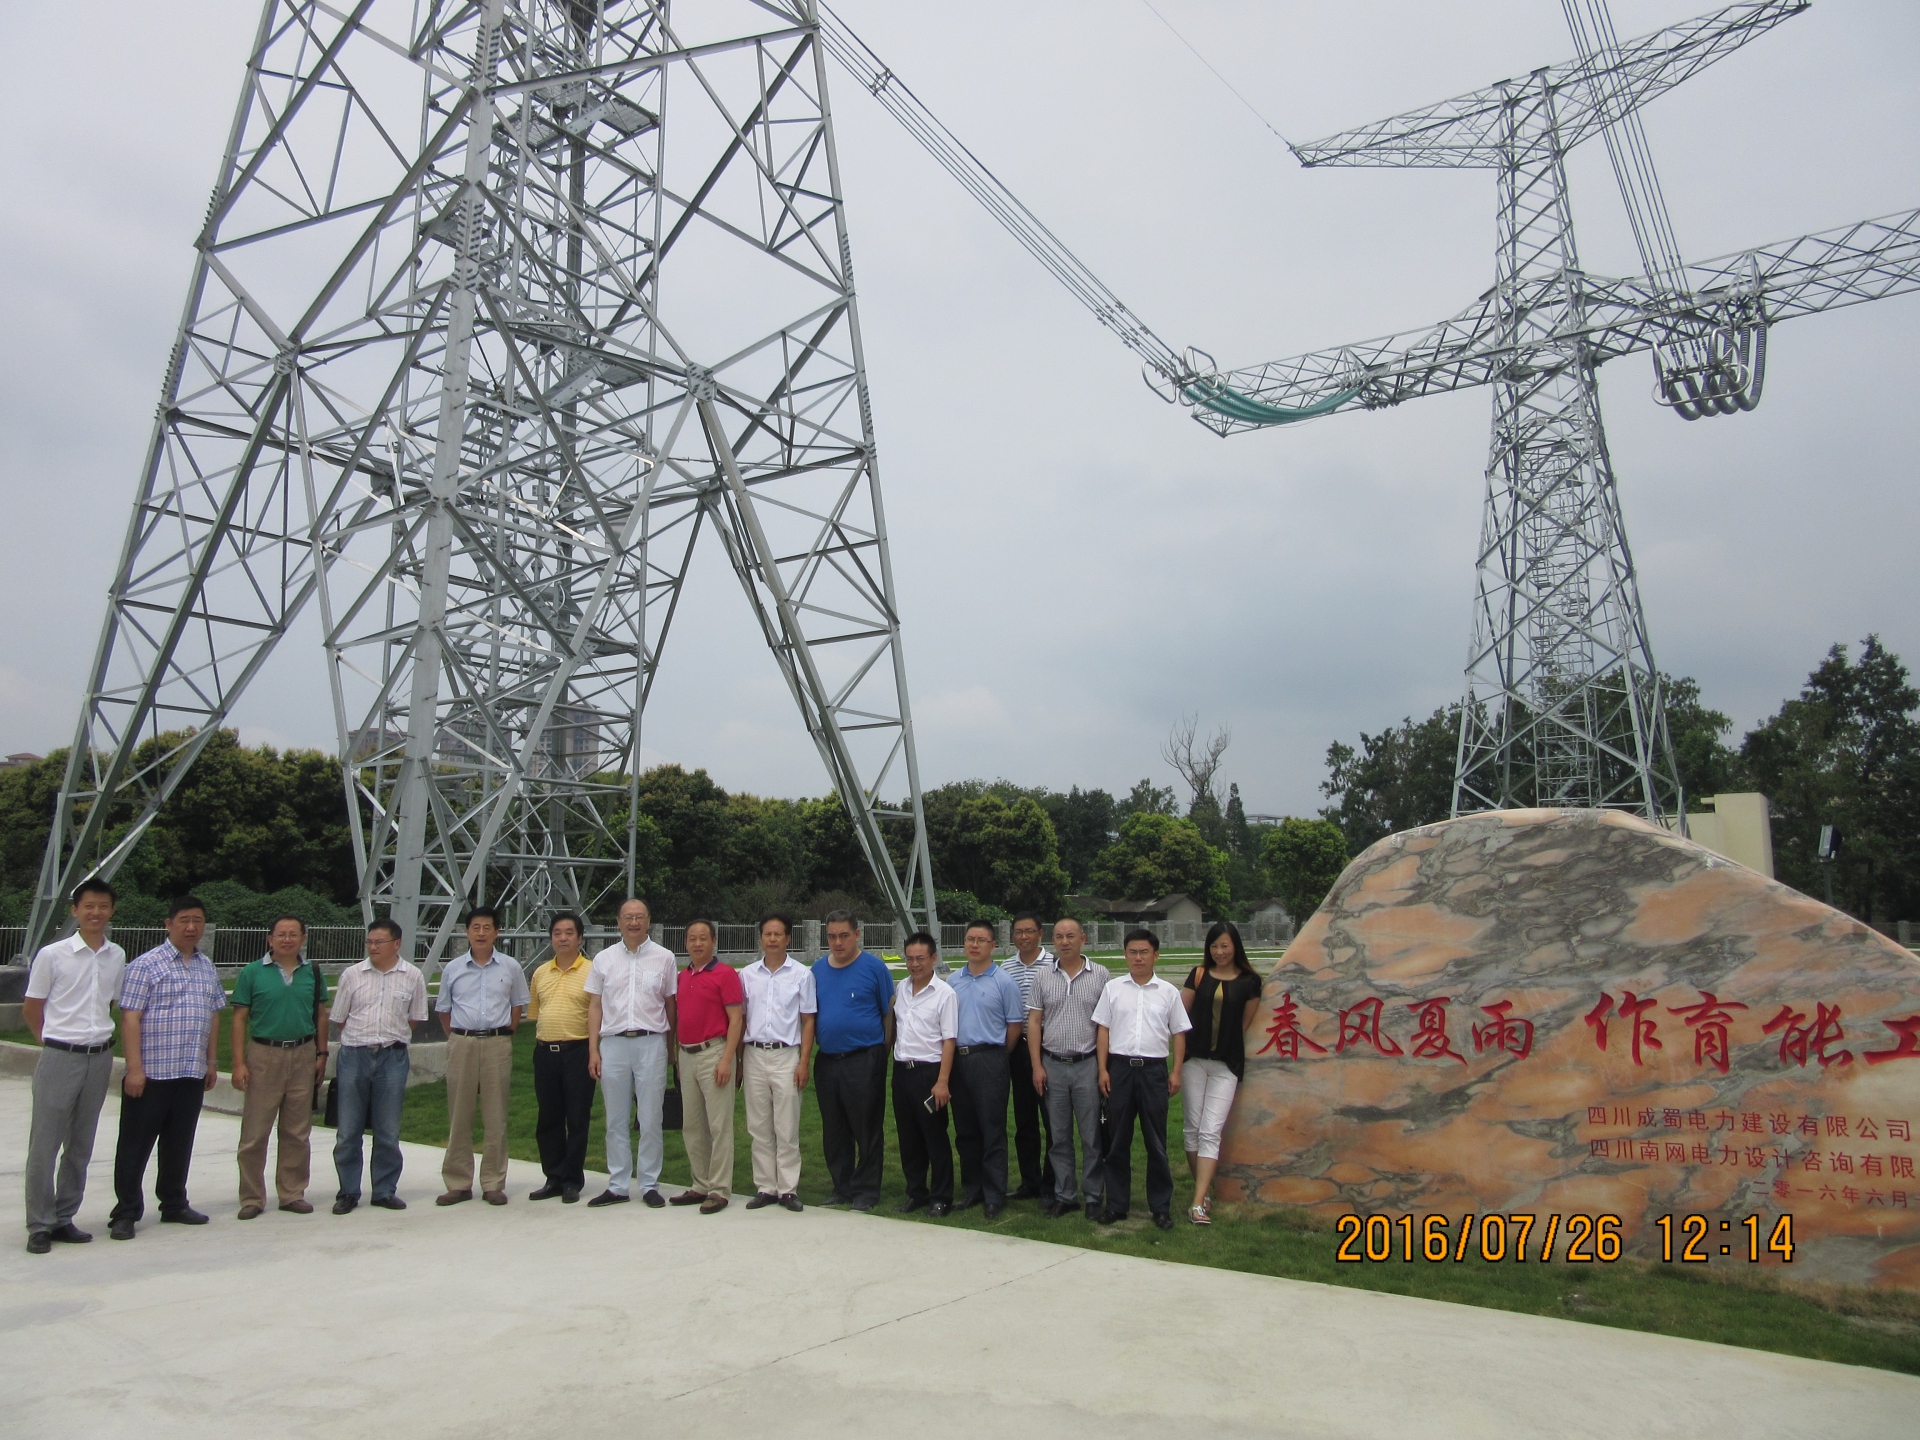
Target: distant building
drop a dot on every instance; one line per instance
(20, 761)
(1271, 908)
(1175, 907)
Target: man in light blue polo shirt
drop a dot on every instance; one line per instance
(992, 1015)
(483, 995)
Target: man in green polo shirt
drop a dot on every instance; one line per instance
(279, 1019)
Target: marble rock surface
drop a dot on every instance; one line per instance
(1559, 1012)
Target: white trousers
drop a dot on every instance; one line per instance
(1206, 1095)
(633, 1082)
(773, 1118)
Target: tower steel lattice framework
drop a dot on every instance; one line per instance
(497, 307)
(1563, 702)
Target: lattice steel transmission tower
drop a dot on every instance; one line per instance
(498, 306)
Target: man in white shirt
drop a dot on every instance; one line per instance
(1137, 1018)
(69, 988)
(926, 1032)
(376, 1004)
(779, 1038)
(631, 1017)
(1032, 1118)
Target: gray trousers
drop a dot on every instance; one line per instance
(67, 1093)
(1073, 1097)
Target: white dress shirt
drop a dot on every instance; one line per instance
(374, 1007)
(922, 1022)
(776, 999)
(634, 987)
(77, 984)
(1141, 1020)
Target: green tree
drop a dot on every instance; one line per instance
(1707, 765)
(1159, 854)
(1006, 854)
(1083, 821)
(1146, 798)
(833, 859)
(1395, 781)
(1303, 858)
(1846, 753)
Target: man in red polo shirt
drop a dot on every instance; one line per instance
(713, 1009)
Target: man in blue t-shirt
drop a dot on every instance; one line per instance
(854, 1029)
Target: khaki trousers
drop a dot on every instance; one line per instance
(707, 1121)
(773, 1119)
(279, 1088)
(477, 1070)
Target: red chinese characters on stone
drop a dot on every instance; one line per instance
(1513, 1035)
(1284, 1036)
(1908, 1047)
(1799, 1040)
(1632, 1010)
(1708, 1021)
(1362, 1022)
(1430, 1040)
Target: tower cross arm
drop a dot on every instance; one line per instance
(1868, 260)
(1474, 131)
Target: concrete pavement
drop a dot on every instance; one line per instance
(560, 1321)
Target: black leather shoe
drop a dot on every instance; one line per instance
(548, 1191)
(121, 1230)
(39, 1243)
(1026, 1192)
(863, 1206)
(938, 1211)
(965, 1203)
(1163, 1220)
(654, 1200)
(992, 1212)
(345, 1204)
(791, 1201)
(389, 1202)
(186, 1215)
(1053, 1209)
(1107, 1217)
(907, 1207)
(1093, 1210)
(70, 1234)
(833, 1200)
(570, 1195)
(606, 1197)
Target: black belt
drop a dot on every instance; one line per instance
(977, 1049)
(282, 1044)
(495, 1032)
(699, 1045)
(1137, 1059)
(631, 1034)
(916, 1064)
(1067, 1059)
(558, 1045)
(78, 1049)
(773, 1045)
(383, 1045)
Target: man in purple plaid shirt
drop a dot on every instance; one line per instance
(167, 1001)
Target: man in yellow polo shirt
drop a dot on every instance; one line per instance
(561, 1085)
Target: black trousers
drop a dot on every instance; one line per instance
(851, 1088)
(925, 1157)
(980, 1084)
(564, 1091)
(1032, 1125)
(167, 1111)
(1139, 1088)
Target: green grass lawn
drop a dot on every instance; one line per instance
(1840, 1323)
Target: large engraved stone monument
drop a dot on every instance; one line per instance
(1575, 1012)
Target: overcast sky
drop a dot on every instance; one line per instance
(1079, 563)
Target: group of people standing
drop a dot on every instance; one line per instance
(1073, 1047)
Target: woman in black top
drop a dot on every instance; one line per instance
(1218, 996)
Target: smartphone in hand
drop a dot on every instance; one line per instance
(928, 1104)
